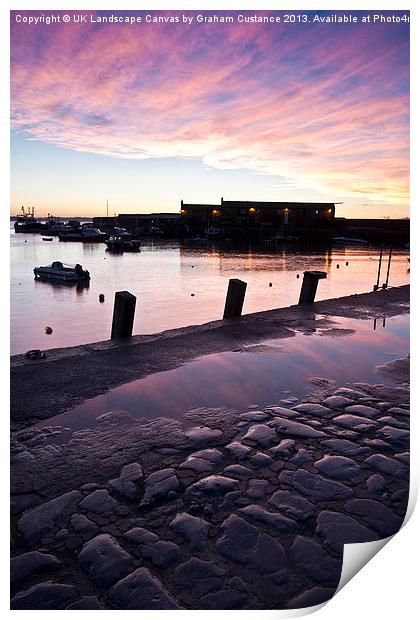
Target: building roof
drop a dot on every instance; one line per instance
(200, 204)
(261, 204)
(146, 216)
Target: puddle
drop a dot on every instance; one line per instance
(258, 376)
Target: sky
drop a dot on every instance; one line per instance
(144, 115)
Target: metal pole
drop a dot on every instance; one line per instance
(375, 288)
(389, 266)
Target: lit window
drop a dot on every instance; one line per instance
(252, 211)
(215, 212)
(184, 212)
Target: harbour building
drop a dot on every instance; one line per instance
(255, 219)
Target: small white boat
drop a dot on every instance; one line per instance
(84, 233)
(64, 273)
(349, 241)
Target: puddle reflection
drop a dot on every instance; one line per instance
(260, 376)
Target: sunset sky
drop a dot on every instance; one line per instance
(143, 115)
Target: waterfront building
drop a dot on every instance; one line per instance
(167, 225)
(256, 219)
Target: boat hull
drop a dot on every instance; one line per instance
(60, 273)
(58, 277)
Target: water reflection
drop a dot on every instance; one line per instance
(80, 286)
(259, 376)
(375, 322)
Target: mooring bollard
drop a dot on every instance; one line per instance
(309, 285)
(234, 298)
(123, 317)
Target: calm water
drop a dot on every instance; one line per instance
(259, 376)
(176, 285)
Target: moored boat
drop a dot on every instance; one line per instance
(84, 233)
(26, 222)
(123, 244)
(64, 273)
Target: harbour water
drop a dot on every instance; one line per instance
(176, 284)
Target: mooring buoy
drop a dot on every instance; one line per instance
(48, 330)
(101, 297)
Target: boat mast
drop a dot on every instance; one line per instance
(107, 208)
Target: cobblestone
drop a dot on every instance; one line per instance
(215, 523)
(104, 560)
(193, 529)
(337, 529)
(141, 590)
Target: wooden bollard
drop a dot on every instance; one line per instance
(234, 298)
(123, 317)
(309, 286)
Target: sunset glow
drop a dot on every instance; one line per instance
(147, 114)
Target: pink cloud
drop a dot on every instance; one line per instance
(326, 108)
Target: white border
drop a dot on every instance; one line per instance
(386, 587)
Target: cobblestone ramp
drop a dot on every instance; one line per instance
(245, 511)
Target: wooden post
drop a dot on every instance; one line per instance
(234, 298)
(123, 317)
(309, 286)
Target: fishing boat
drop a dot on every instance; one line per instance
(64, 273)
(26, 222)
(123, 244)
(349, 241)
